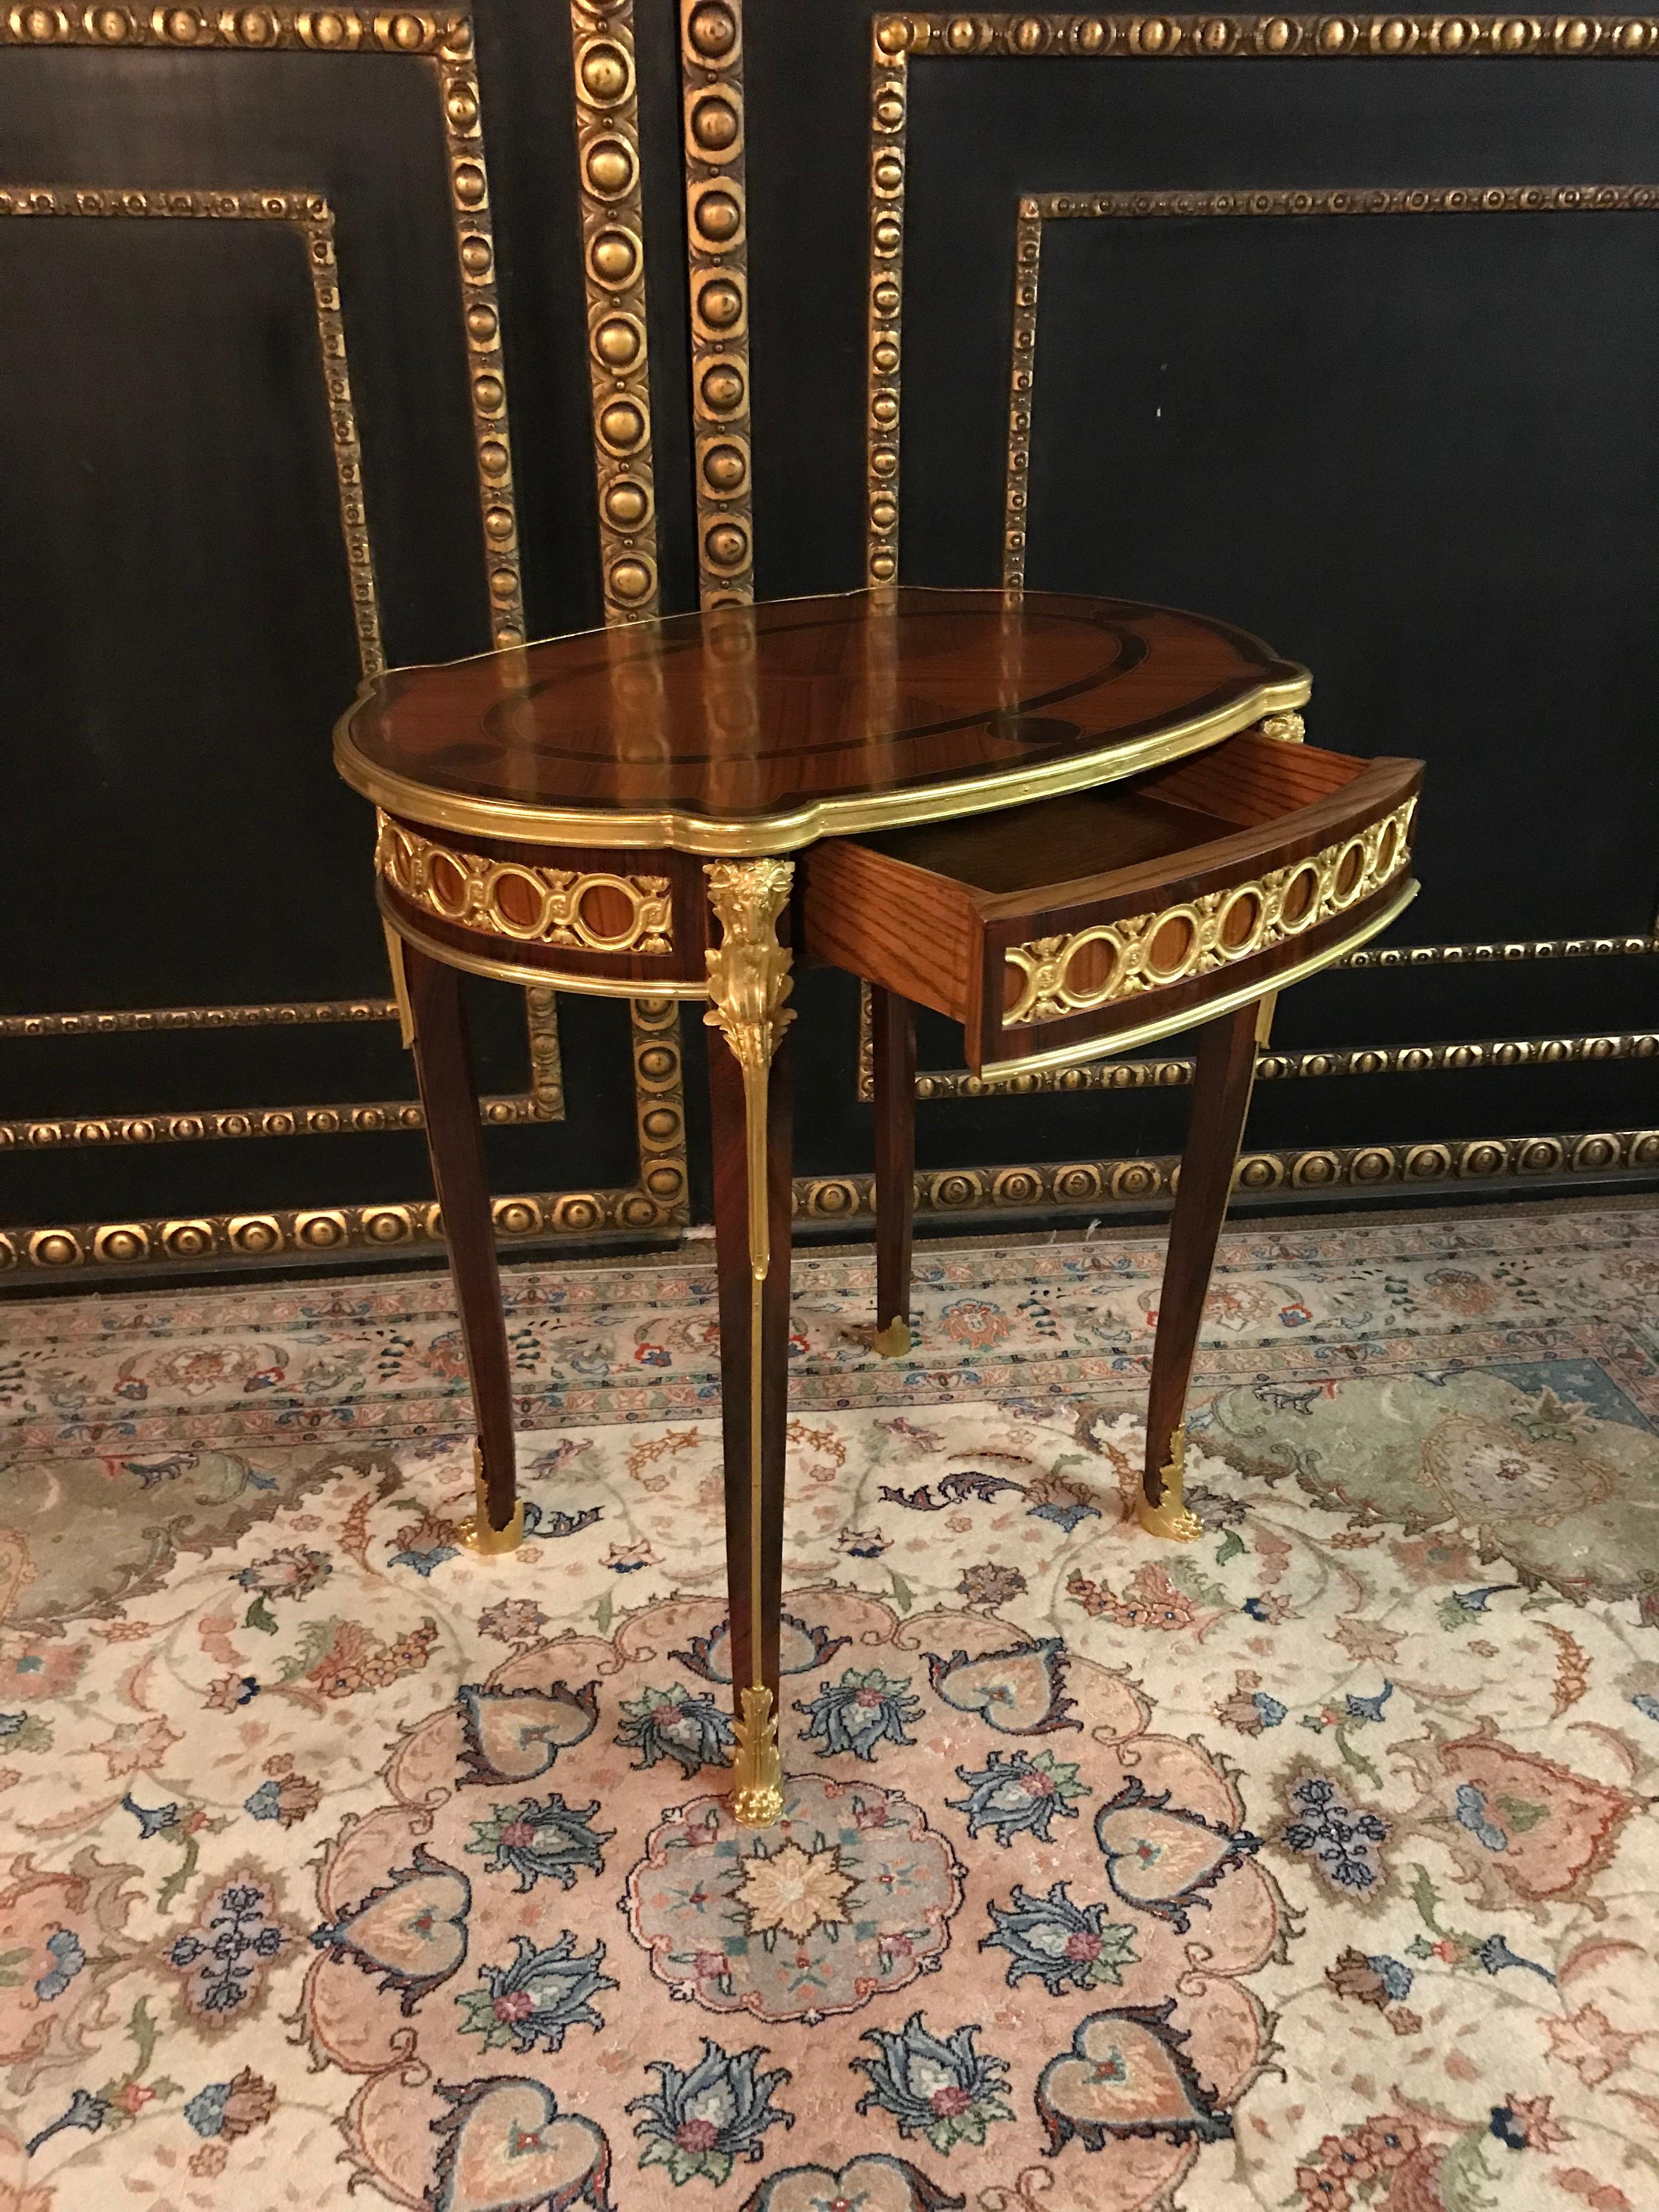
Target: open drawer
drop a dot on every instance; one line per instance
(1101, 921)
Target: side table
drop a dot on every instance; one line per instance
(1035, 812)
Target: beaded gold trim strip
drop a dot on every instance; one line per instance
(1169, 37)
(1089, 969)
(1072, 1185)
(531, 906)
(716, 219)
(889, 103)
(613, 260)
(1075, 1185)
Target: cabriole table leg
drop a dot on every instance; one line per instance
(749, 981)
(1221, 1098)
(893, 1070)
(449, 1096)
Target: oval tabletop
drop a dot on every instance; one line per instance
(750, 730)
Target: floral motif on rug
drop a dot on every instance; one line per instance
(461, 1918)
(1313, 1865)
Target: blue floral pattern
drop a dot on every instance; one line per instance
(68, 1958)
(700, 2120)
(222, 1957)
(1018, 1793)
(1057, 1941)
(535, 1839)
(1343, 1844)
(685, 1725)
(935, 2085)
(536, 1997)
(859, 1712)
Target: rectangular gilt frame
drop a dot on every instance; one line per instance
(895, 41)
(444, 39)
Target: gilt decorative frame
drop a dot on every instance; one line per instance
(659, 1198)
(897, 38)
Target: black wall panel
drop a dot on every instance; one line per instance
(1414, 451)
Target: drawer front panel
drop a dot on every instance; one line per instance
(1164, 1010)
(1109, 971)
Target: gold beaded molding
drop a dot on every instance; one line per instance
(1102, 1183)
(1055, 207)
(474, 252)
(657, 1201)
(529, 905)
(444, 38)
(1151, 951)
(1528, 948)
(541, 1008)
(145, 1019)
(1347, 1059)
(896, 38)
(716, 225)
(1284, 1066)
(348, 1120)
(1275, 37)
(1074, 1184)
(311, 215)
(889, 108)
(613, 263)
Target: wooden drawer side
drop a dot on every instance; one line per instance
(1281, 832)
(901, 926)
(1252, 779)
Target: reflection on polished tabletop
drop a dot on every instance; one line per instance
(761, 728)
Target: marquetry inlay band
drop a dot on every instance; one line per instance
(1051, 978)
(589, 912)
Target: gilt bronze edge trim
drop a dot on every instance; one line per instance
(383, 1116)
(153, 1020)
(1460, 1055)
(272, 26)
(1224, 1002)
(1321, 200)
(937, 35)
(295, 1231)
(1043, 964)
(405, 858)
(518, 971)
(827, 817)
(974, 1193)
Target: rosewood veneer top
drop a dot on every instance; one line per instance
(753, 730)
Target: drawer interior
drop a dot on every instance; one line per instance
(1238, 785)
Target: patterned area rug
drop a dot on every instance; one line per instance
(1315, 1865)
